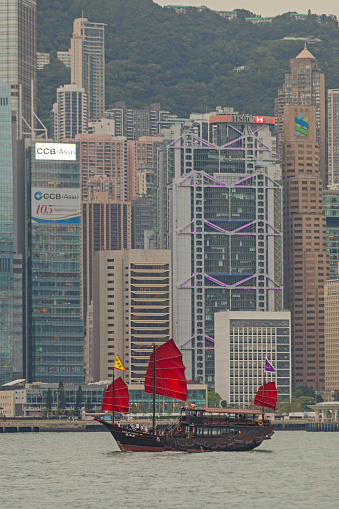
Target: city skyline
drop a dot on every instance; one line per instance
(212, 183)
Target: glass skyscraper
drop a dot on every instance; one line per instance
(56, 335)
(6, 235)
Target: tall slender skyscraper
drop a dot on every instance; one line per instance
(333, 136)
(306, 261)
(88, 64)
(6, 236)
(304, 85)
(18, 56)
(55, 332)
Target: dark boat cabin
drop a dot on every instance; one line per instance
(216, 421)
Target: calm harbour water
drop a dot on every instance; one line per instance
(85, 470)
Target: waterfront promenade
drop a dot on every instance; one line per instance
(62, 425)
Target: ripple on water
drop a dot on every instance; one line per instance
(86, 470)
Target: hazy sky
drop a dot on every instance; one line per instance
(264, 7)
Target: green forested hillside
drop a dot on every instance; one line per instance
(185, 62)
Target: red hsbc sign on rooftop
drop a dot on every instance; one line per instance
(241, 119)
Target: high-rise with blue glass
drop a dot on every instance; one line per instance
(55, 333)
(6, 235)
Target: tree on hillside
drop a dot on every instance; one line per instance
(51, 77)
(243, 13)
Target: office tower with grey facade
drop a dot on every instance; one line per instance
(18, 58)
(224, 222)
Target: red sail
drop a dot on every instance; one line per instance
(121, 397)
(170, 373)
(271, 396)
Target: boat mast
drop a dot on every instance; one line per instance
(154, 387)
(263, 395)
(113, 398)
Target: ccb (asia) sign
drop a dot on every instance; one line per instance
(61, 205)
(55, 152)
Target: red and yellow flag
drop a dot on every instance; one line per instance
(118, 364)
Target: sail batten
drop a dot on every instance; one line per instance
(170, 373)
(270, 395)
(121, 397)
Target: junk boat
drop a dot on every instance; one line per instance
(197, 429)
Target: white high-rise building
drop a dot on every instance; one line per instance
(242, 341)
(88, 64)
(70, 112)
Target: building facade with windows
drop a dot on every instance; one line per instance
(141, 156)
(18, 57)
(306, 260)
(42, 59)
(131, 309)
(55, 331)
(134, 123)
(224, 222)
(88, 64)
(7, 351)
(106, 225)
(65, 57)
(331, 211)
(331, 336)
(304, 86)
(333, 136)
(141, 402)
(242, 341)
(70, 112)
(103, 155)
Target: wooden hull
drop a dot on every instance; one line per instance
(135, 441)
